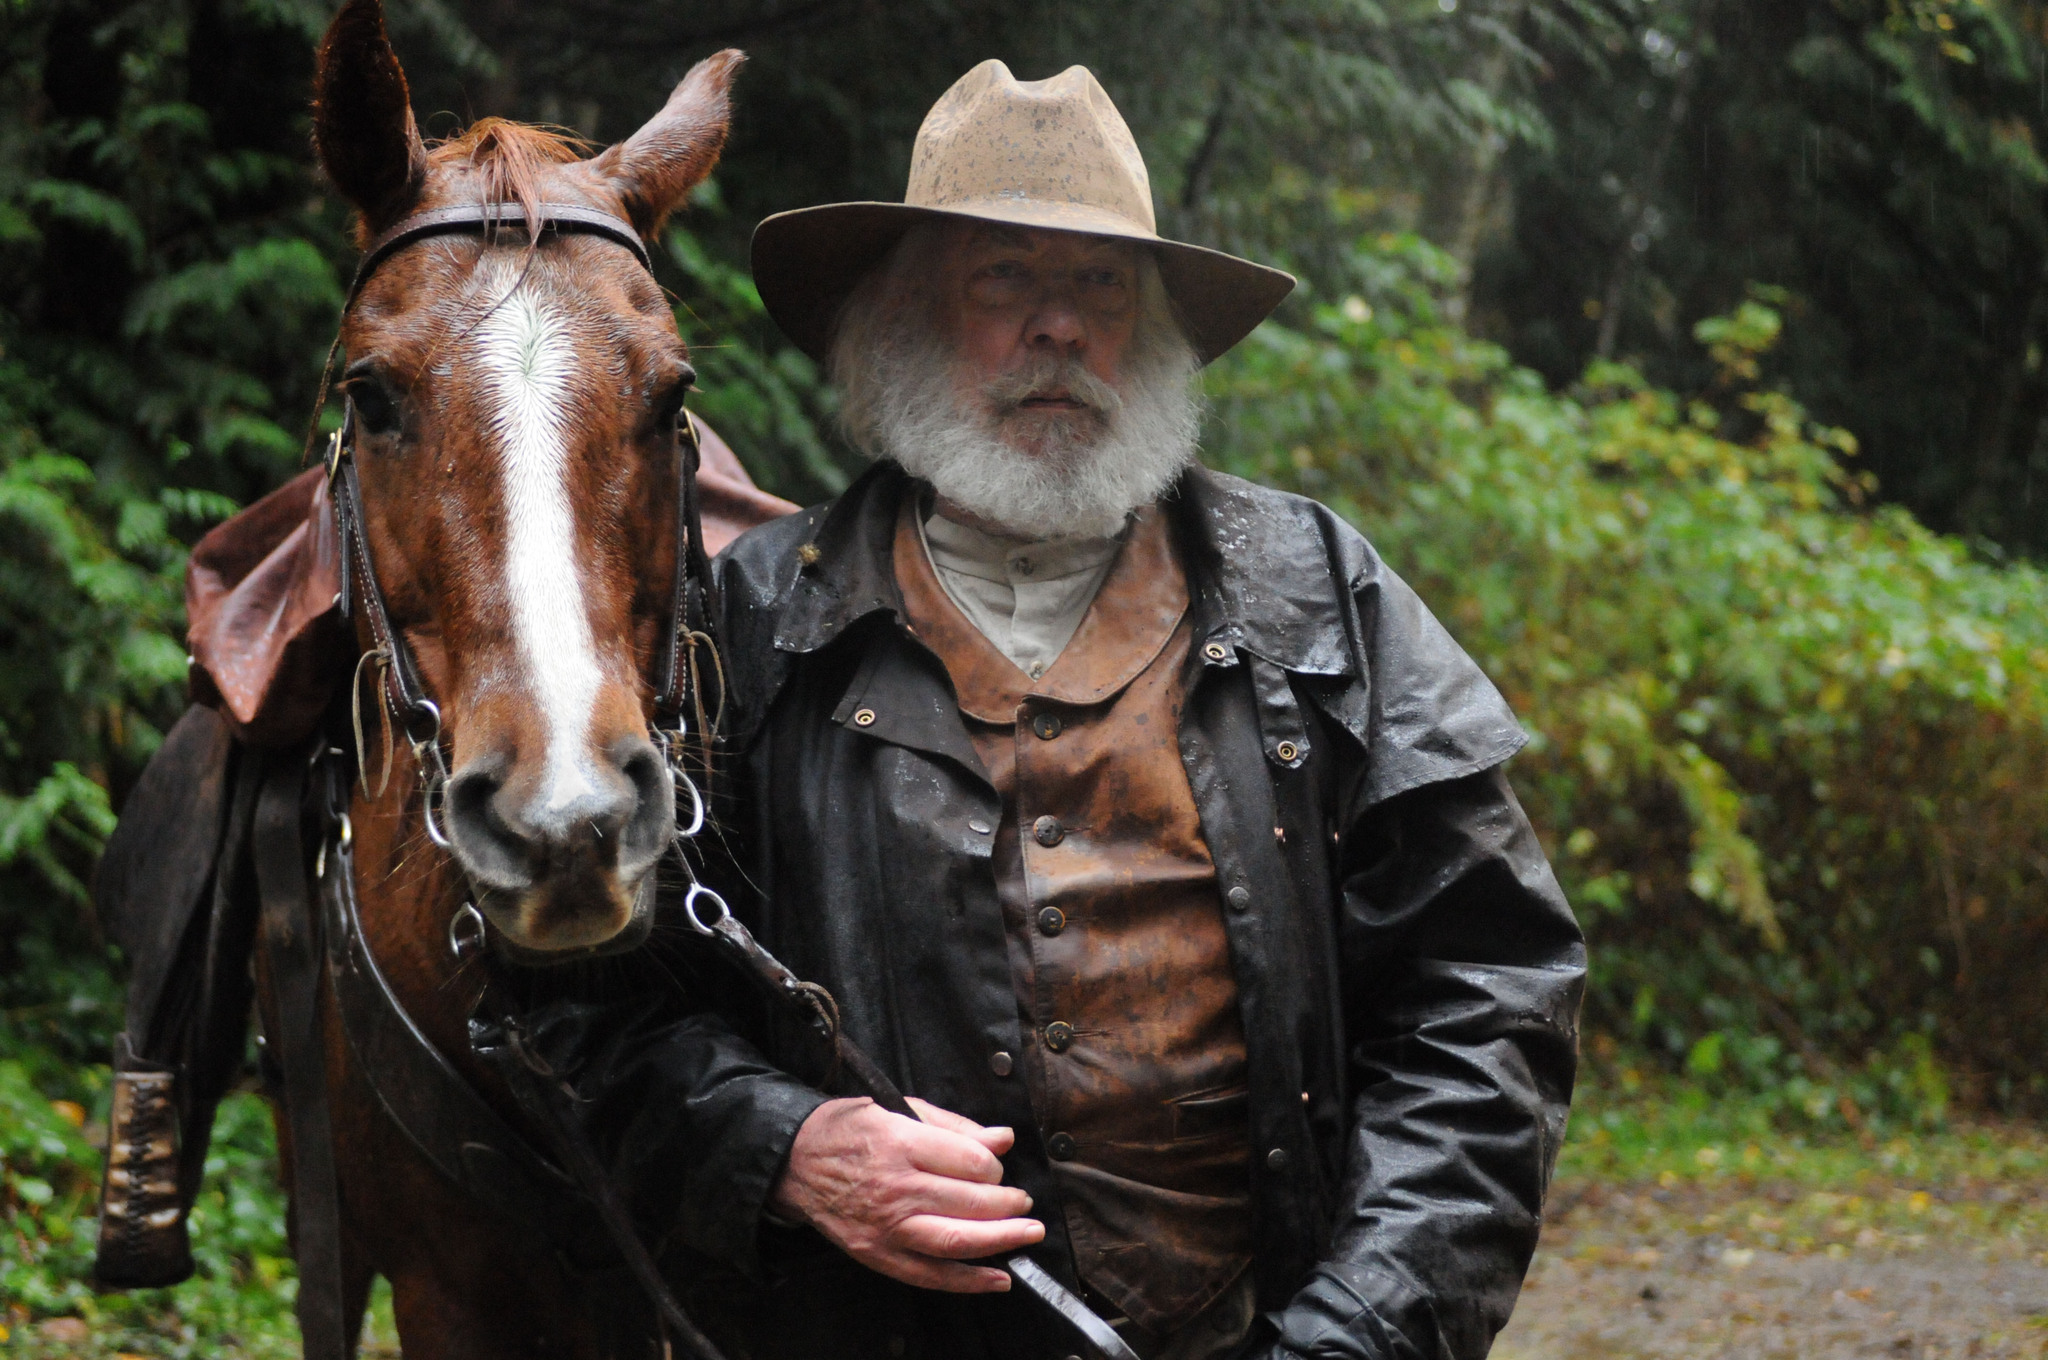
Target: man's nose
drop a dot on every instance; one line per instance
(1057, 322)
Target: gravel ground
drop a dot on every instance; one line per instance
(1782, 1273)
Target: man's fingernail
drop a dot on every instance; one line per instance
(1028, 1202)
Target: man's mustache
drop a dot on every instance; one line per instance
(1044, 375)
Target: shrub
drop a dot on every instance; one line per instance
(1791, 751)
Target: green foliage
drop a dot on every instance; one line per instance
(760, 392)
(238, 1302)
(1791, 752)
(1879, 160)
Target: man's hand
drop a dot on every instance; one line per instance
(906, 1199)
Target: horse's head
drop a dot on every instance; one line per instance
(516, 415)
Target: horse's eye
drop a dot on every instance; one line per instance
(376, 409)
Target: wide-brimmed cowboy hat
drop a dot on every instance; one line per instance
(1052, 154)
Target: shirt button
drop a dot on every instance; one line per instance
(1048, 832)
(1059, 1036)
(1051, 921)
(1047, 726)
(1276, 1160)
(1025, 566)
(1001, 1063)
(1240, 898)
(1060, 1147)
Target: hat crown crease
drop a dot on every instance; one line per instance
(1059, 143)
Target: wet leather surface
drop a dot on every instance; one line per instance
(1136, 1060)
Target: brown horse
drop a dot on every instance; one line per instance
(515, 408)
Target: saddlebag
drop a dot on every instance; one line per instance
(175, 893)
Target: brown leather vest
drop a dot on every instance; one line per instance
(1117, 945)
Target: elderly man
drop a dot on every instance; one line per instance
(1142, 822)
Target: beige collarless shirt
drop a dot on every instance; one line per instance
(1026, 598)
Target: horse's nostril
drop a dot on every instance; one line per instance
(495, 853)
(649, 828)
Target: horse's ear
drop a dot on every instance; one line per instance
(362, 117)
(656, 167)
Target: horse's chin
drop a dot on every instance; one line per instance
(573, 936)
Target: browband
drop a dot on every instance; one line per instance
(485, 219)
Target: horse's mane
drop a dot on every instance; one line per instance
(510, 159)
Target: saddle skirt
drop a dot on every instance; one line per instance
(268, 643)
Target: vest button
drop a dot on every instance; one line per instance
(1060, 1147)
(1051, 921)
(1048, 832)
(1240, 898)
(1059, 1036)
(1276, 1160)
(1001, 1063)
(1047, 726)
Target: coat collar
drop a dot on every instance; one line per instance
(1263, 571)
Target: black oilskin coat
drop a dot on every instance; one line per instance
(1409, 971)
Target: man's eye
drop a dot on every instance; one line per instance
(1004, 269)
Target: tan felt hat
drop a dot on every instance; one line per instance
(1052, 154)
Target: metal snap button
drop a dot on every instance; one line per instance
(1276, 1160)
(1240, 898)
(978, 826)
(1059, 1036)
(1001, 1063)
(1047, 726)
(1287, 751)
(1051, 921)
(864, 718)
(1061, 1147)
(1048, 832)
(1215, 651)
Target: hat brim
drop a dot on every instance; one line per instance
(807, 261)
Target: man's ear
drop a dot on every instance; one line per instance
(362, 117)
(656, 167)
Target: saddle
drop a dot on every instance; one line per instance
(196, 858)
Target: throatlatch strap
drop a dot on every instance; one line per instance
(290, 936)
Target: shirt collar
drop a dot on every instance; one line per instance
(1262, 567)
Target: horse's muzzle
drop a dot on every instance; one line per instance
(564, 875)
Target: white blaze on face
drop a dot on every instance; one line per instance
(523, 348)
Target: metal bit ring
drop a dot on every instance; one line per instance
(465, 930)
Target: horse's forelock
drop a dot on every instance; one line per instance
(511, 160)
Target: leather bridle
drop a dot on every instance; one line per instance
(512, 1175)
(677, 688)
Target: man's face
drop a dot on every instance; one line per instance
(1031, 316)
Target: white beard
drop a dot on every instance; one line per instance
(1036, 474)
